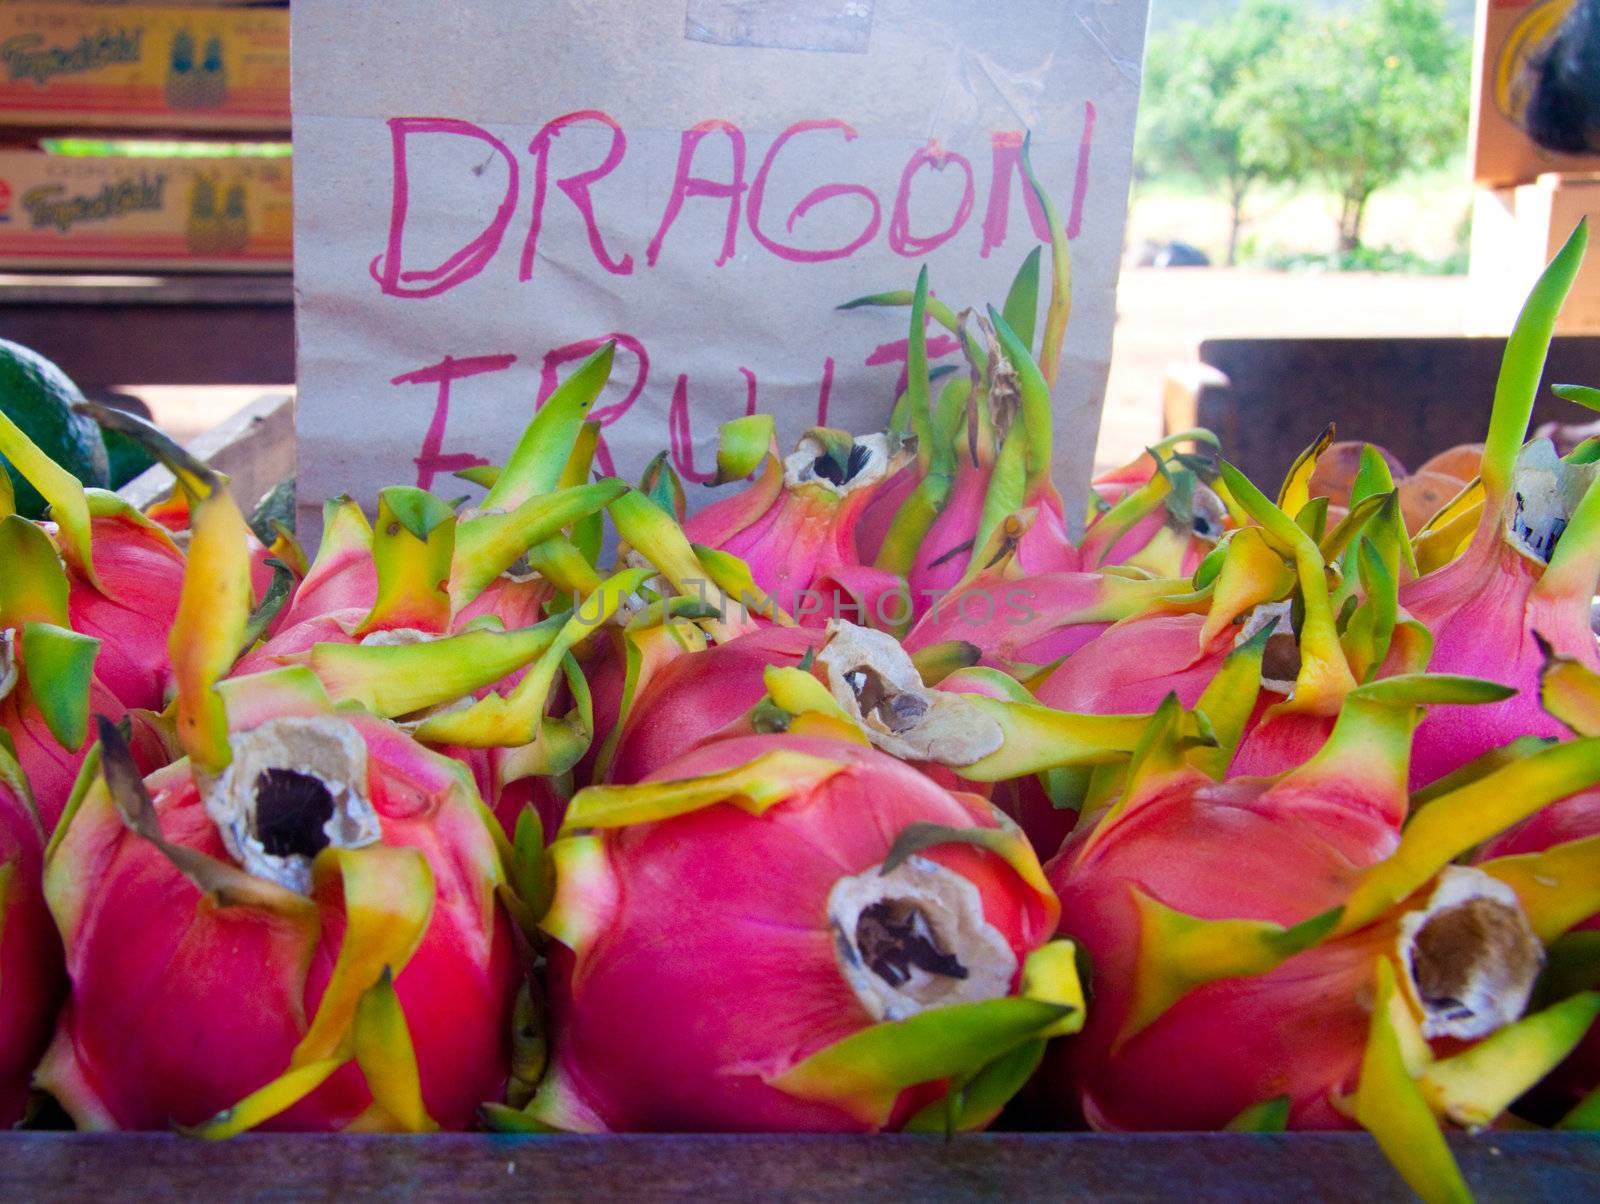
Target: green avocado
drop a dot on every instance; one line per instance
(38, 397)
(127, 458)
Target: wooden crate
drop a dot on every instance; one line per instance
(1266, 399)
(998, 1166)
(255, 447)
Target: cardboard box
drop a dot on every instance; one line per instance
(1515, 232)
(1511, 35)
(144, 67)
(64, 212)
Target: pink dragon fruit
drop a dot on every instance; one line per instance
(901, 949)
(1570, 691)
(47, 671)
(31, 981)
(425, 602)
(968, 731)
(1572, 824)
(1158, 513)
(699, 694)
(121, 571)
(1127, 636)
(1164, 646)
(421, 575)
(343, 575)
(1180, 640)
(1531, 566)
(303, 912)
(171, 514)
(124, 573)
(1008, 472)
(140, 570)
(1347, 635)
(425, 570)
(1301, 676)
(1017, 622)
(971, 475)
(795, 525)
(1236, 928)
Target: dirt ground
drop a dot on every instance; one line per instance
(1163, 314)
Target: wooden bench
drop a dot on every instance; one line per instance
(1266, 399)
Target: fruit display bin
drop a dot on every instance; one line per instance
(862, 905)
(1080, 1166)
(257, 448)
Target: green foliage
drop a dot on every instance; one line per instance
(1186, 121)
(1368, 259)
(1355, 100)
(1165, 14)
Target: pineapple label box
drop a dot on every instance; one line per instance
(60, 211)
(136, 66)
(487, 191)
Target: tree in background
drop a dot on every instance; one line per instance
(1355, 100)
(1186, 123)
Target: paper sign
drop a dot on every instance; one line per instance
(488, 190)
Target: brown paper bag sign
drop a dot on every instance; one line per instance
(486, 191)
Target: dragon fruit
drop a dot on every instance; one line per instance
(514, 737)
(699, 694)
(1570, 691)
(1256, 579)
(421, 574)
(1573, 824)
(427, 571)
(1158, 513)
(1014, 440)
(421, 612)
(795, 524)
(968, 732)
(1237, 929)
(123, 571)
(1173, 642)
(895, 974)
(983, 453)
(1017, 621)
(1346, 636)
(171, 514)
(47, 671)
(31, 981)
(1531, 566)
(303, 912)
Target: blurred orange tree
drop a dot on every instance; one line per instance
(1349, 99)
(1355, 100)
(1187, 124)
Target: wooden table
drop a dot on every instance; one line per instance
(1009, 1166)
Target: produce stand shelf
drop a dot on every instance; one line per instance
(155, 330)
(1013, 1166)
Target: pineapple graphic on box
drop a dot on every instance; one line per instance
(234, 225)
(213, 75)
(182, 80)
(203, 231)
